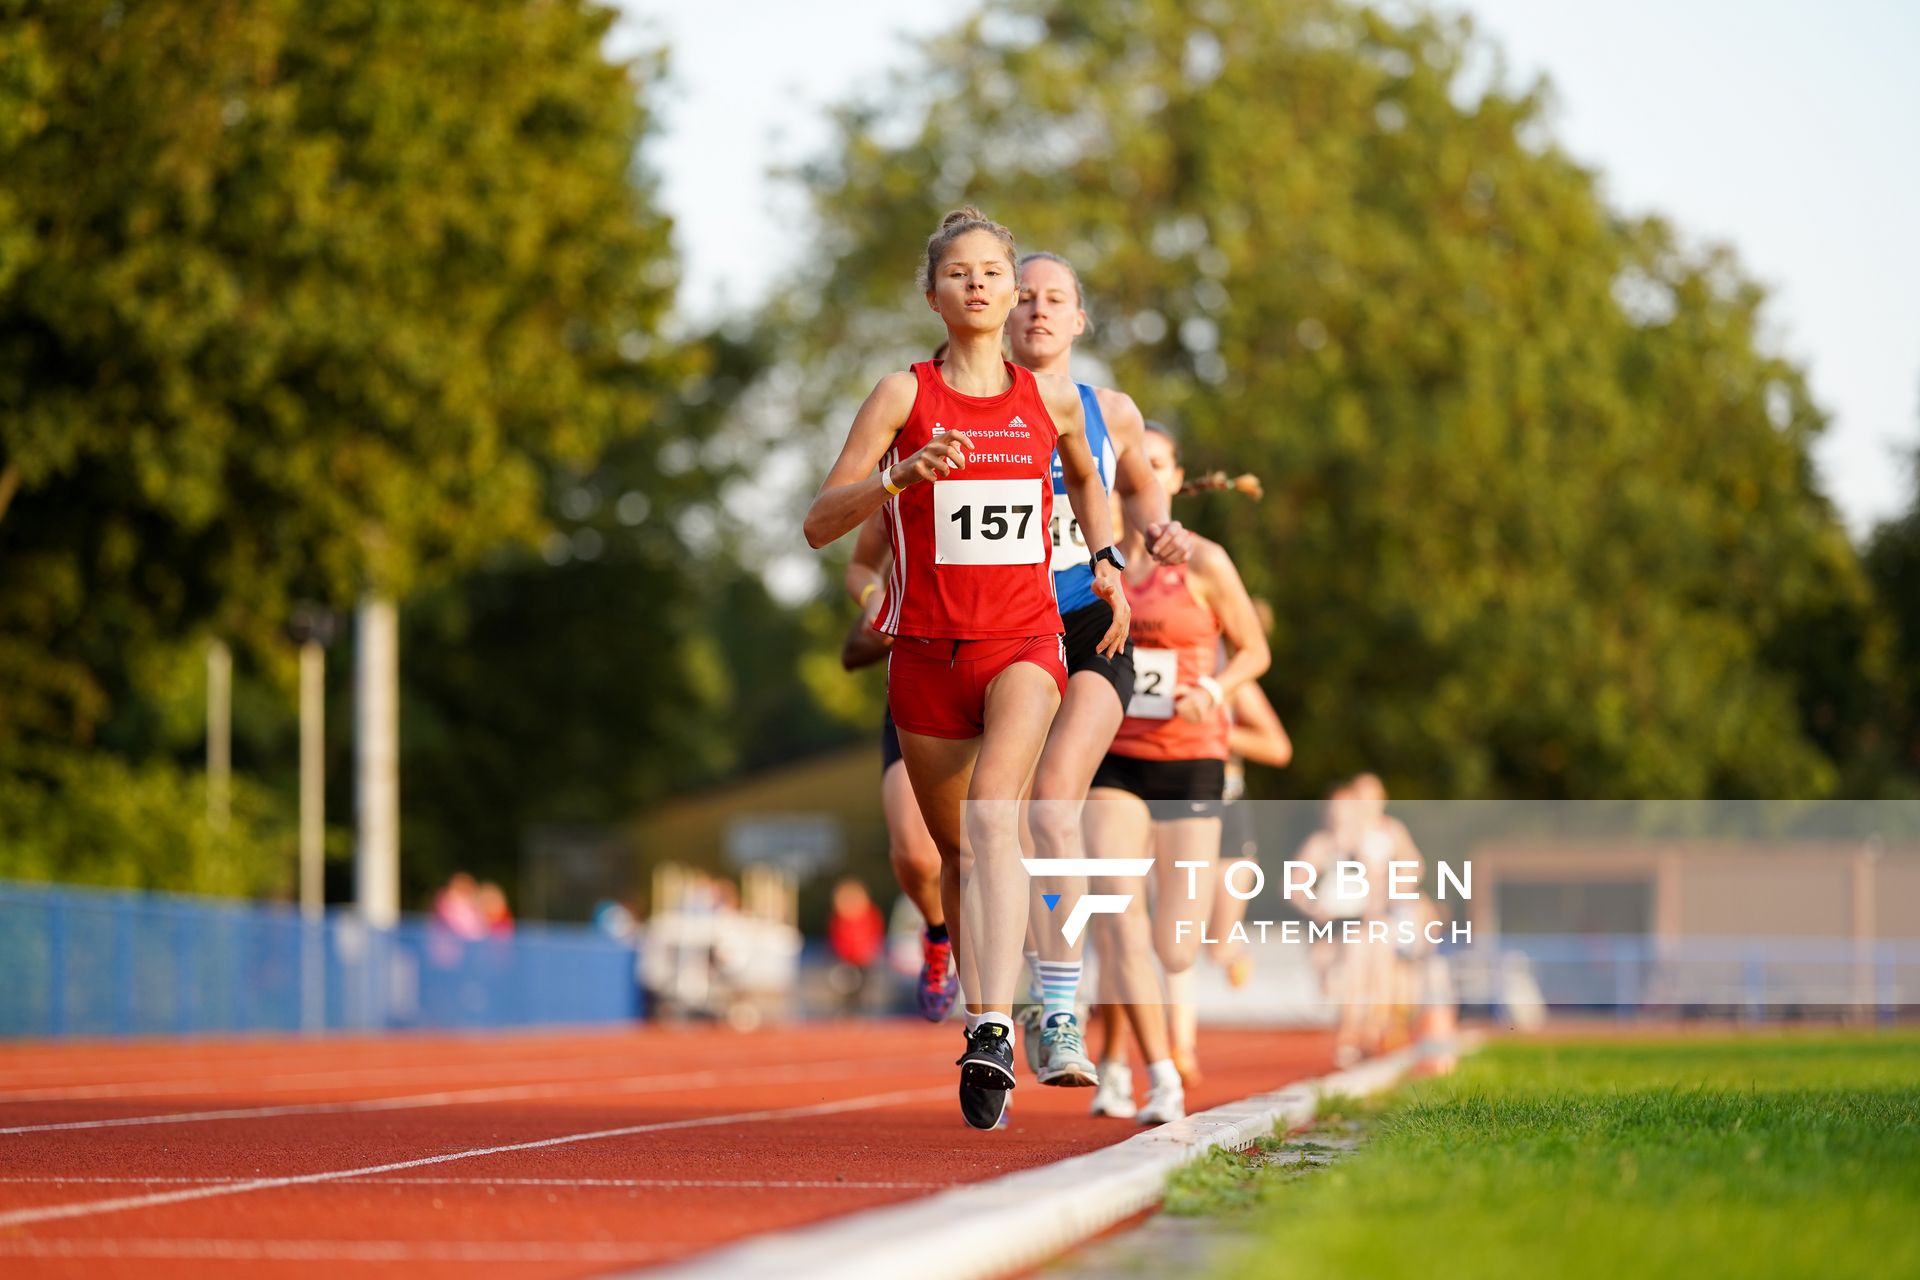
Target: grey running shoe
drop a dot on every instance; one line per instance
(1030, 1034)
(1063, 1058)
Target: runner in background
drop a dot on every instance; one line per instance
(1041, 331)
(856, 931)
(1436, 1007)
(958, 453)
(1357, 974)
(917, 868)
(1342, 975)
(1158, 792)
(1384, 839)
(1257, 737)
(1255, 733)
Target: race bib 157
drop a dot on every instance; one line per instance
(988, 522)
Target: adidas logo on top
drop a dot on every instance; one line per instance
(1016, 423)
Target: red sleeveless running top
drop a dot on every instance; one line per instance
(1176, 640)
(972, 556)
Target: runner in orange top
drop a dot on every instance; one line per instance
(1158, 792)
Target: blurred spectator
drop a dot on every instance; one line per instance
(855, 933)
(615, 919)
(495, 916)
(456, 908)
(702, 956)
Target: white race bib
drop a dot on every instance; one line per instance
(988, 522)
(1069, 544)
(1155, 672)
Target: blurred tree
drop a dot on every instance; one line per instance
(97, 818)
(1893, 561)
(297, 299)
(632, 659)
(1541, 518)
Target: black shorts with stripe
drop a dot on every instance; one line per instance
(1173, 789)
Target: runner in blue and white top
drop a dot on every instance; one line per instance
(1050, 315)
(1072, 570)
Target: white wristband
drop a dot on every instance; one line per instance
(886, 479)
(1214, 691)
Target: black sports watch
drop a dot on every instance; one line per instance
(1112, 556)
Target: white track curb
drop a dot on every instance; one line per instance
(1013, 1223)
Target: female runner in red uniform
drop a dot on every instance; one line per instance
(963, 449)
(1159, 790)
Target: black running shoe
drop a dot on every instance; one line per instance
(986, 1073)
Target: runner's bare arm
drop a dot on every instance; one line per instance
(1257, 733)
(866, 580)
(864, 646)
(1149, 509)
(852, 490)
(1240, 627)
(868, 565)
(1089, 499)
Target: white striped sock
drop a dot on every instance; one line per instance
(1059, 987)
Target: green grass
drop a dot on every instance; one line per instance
(1694, 1157)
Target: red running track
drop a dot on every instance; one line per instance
(534, 1155)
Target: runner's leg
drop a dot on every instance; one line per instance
(1076, 744)
(1020, 705)
(939, 771)
(1184, 897)
(910, 846)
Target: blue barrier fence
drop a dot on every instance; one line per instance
(88, 962)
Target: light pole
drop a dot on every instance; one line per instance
(376, 748)
(311, 627)
(219, 733)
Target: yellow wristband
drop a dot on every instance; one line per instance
(886, 478)
(866, 593)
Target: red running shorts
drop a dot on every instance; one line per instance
(939, 687)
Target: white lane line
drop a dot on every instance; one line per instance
(826, 1184)
(88, 1208)
(692, 1080)
(134, 1061)
(343, 1076)
(337, 1250)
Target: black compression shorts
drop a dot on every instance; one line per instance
(1084, 629)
